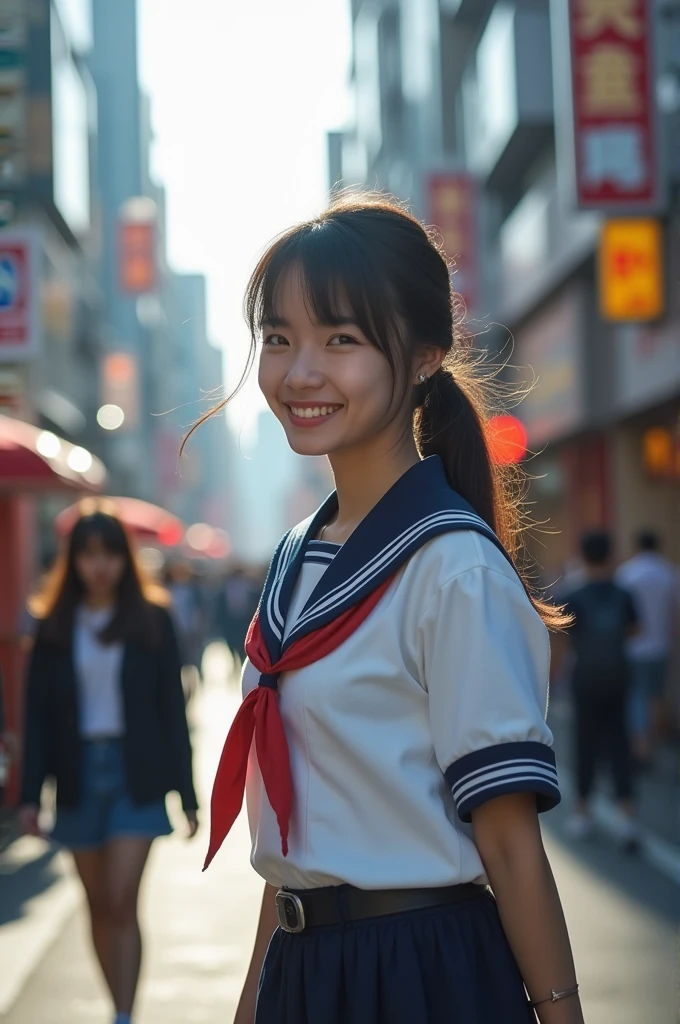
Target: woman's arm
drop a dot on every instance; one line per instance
(34, 754)
(175, 711)
(509, 841)
(245, 1013)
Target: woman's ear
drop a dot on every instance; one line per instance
(427, 362)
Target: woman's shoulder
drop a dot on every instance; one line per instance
(452, 554)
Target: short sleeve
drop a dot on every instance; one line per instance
(485, 656)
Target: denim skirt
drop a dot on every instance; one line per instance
(441, 965)
(106, 810)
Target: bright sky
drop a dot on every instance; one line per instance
(242, 92)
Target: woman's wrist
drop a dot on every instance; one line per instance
(564, 1011)
(557, 995)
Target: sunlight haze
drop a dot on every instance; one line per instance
(242, 96)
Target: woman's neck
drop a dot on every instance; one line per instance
(363, 476)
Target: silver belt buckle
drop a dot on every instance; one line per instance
(290, 912)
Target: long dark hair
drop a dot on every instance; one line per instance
(369, 253)
(136, 616)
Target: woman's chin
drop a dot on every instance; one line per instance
(308, 445)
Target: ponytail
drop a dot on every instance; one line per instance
(449, 423)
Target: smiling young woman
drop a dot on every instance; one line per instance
(396, 681)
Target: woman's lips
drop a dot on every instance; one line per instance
(311, 415)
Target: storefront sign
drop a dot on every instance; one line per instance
(548, 355)
(137, 257)
(661, 453)
(615, 131)
(20, 323)
(13, 93)
(631, 269)
(451, 205)
(646, 365)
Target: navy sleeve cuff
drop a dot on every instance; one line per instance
(526, 767)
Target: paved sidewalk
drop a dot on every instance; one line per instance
(199, 927)
(657, 794)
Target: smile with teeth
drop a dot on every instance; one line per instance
(317, 412)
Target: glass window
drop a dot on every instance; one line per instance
(70, 136)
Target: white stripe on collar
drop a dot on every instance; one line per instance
(378, 563)
(288, 550)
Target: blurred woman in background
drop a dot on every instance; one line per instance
(105, 718)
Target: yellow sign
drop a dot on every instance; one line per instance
(631, 269)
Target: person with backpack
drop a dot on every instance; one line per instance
(603, 618)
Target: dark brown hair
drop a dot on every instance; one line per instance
(368, 253)
(136, 618)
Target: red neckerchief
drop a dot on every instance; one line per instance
(259, 716)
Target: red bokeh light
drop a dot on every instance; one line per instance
(170, 533)
(507, 439)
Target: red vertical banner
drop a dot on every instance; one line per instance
(615, 131)
(137, 257)
(451, 203)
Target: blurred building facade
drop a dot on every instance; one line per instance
(98, 335)
(469, 89)
(155, 319)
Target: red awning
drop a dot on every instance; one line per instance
(146, 521)
(32, 459)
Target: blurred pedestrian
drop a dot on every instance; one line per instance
(397, 676)
(235, 605)
(105, 718)
(654, 585)
(188, 616)
(604, 617)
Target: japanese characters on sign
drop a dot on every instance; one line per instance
(631, 269)
(451, 208)
(615, 137)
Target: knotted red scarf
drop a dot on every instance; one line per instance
(259, 715)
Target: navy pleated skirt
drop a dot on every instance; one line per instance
(442, 965)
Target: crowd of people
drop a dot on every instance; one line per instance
(617, 654)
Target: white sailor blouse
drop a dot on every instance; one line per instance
(433, 702)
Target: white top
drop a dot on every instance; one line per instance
(655, 587)
(98, 669)
(436, 703)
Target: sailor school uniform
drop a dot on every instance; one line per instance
(432, 703)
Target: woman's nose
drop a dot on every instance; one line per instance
(304, 373)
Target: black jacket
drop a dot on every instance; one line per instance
(157, 746)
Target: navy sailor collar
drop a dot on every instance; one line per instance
(419, 506)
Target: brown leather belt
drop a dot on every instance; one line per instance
(299, 909)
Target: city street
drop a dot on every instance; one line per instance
(623, 917)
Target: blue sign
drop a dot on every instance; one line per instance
(9, 283)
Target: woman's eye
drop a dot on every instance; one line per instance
(343, 339)
(274, 340)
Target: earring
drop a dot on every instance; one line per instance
(422, 378)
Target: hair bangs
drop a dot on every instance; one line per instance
(105, 528)
(340, 281)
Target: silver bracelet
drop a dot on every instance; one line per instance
(555, 997)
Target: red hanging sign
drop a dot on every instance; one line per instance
(615, 132)
(451, 205)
